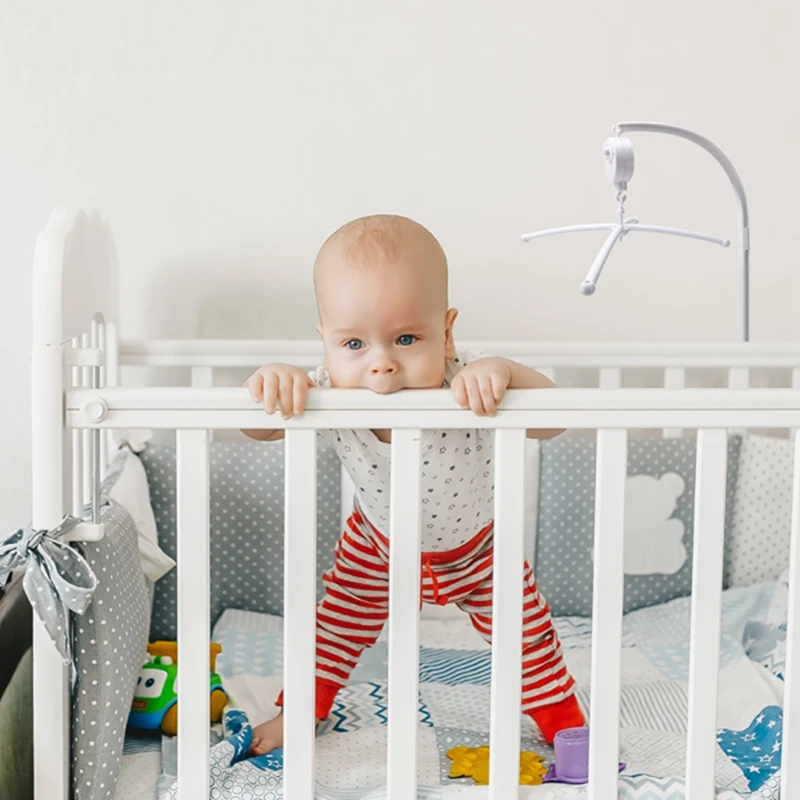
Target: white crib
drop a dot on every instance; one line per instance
(77, 400)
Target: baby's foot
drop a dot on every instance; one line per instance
(267, 736)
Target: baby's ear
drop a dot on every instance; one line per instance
(449, 341)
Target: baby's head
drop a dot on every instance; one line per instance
(381, 286)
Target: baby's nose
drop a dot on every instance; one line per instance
(384, 367)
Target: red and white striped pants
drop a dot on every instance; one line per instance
(355, 607)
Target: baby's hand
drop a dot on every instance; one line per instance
(280, 385)
(482, 384)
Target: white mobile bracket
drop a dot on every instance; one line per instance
(619, 161)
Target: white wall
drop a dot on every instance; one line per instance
(225, 140)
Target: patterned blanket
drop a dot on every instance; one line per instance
(455, 667)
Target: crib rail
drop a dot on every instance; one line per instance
(256, 352)
(610, 412)
(220, 408)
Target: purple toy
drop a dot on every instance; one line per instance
(572, 757)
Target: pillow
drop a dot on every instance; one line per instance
(758, 548)
(110, 643)
(659, 520)
(126, 483)
(246, 521)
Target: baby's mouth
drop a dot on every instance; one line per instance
(385, 387)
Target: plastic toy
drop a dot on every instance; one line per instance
(155, 700)
(571, 764)
(473, 762)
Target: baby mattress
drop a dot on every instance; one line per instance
(455, 671)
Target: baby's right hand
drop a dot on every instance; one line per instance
(280, 385)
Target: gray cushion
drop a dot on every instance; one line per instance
(659, 521)
(246, 520)
(110, 642)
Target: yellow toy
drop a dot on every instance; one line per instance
(473, 762)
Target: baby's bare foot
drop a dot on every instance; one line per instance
(267, 736)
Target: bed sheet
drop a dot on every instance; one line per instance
(454, 693)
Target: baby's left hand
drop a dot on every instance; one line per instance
(482, 384)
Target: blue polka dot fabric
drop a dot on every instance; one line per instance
(246, 520)
(659, 521)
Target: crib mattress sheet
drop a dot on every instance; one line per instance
(454, 694)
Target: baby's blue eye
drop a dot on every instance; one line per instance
(406, 339)
(355, 344)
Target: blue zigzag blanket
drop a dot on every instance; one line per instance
(455, 668)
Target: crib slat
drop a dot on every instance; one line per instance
(739, 378)
(674, 378)
(509, 557)
(202, 377)
(610, 378)
(192, 475)
(404, 594)
(790, 763)
(709, 533)
(612, 468)
(87, 451)
(299, 624)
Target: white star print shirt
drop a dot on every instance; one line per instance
(457, 474)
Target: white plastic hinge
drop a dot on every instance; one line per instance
(95, 409)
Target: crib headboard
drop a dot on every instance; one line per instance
(75, 276)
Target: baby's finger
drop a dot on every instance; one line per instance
(270, 390)
(475, 399)
(255, 385)
(487, 395)
(459, 391)
(285, 395)
(498, 388)
(299, 392)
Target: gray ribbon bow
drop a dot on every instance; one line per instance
(57, 579)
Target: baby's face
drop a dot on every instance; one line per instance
(384, 328)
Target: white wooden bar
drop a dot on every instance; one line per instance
(181, 407)
(674, 378)
(509, 557)
(790, 763)
(739, 378)
(202, 377)
(610, 378)
(404, 606)
(300, 600)
(76, 449)
(112, 355)
(51, 721)
(709, 538)
(86, 435)
(77, 473)
(192, 476)
(256, 352)
(104, 435)
(611, 474)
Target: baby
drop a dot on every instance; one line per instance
(381, 288)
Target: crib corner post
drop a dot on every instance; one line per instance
(51, 723)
